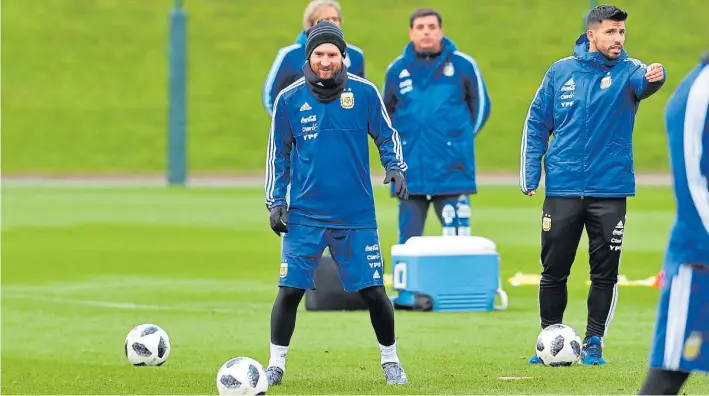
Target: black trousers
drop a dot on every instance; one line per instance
(563, 221)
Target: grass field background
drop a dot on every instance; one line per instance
(85, 81)
(84, 91)
(82, 266)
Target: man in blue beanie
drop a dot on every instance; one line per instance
(319, 146)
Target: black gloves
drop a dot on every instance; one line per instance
(399, 183)
(279, 219)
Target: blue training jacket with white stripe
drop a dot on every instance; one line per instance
(322, 151)
(288, 67)
(587, 104)
(687, 123)
(438, 104)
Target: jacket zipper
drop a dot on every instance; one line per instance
(595, 80)
(585, 131)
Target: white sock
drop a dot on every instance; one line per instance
(389, 353)
(278, 357)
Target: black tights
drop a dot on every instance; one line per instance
(285, 309)
(663, 382)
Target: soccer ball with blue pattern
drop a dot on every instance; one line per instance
(558, 345)
(147, 345)
(242, 376)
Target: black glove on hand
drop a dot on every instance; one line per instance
(399, 183)
(279, 219)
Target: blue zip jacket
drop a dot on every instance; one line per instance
(288, 67)
(438, 106)
(587, 104)
(687, 123)
(322, 151)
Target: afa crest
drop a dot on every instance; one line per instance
(546, 222)
(606, 81)
(284, 269)
(347, 100)
(692, 346)
(448, 69)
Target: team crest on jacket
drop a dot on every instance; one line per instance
(347, 100)
(448, 69)
(606, 81)
(546, 222)
(692, 346)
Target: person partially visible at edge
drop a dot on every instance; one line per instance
(288, 65)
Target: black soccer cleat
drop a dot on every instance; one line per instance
(394, 374)
(274, 375)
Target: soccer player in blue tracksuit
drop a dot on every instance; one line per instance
(287, 67)
(587, 104)
(438, 102)
(319, 145)
(681, 342)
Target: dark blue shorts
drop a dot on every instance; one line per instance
(681, 341)
(356, 252)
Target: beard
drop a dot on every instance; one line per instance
(606, 50)
(610, 55)
(328, 72)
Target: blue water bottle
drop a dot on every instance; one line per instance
(449, 219)
(463, 215)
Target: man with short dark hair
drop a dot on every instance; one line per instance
(438, 102)
(586, 104)
(681, 342)
(319, 146)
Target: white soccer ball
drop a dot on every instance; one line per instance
(147, 345)
(558, 345)
(242, 376)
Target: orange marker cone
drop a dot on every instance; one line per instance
(659, 280)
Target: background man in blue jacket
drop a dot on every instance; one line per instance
(287, 67)
(319, 145)
(587, 104)
(438, 102)
(680, 345)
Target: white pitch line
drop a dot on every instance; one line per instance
(115, 305)
(108, 282)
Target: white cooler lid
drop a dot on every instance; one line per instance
(444, 246)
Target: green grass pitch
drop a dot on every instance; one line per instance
(85, 81)
(82, 266)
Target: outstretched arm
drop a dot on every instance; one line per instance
(646, 80)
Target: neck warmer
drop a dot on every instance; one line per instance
(325, 90)
(428, 54)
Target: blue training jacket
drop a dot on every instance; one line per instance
(438, 106)
(687, 123)
(288, 67)
(587, 104)
(322, 150)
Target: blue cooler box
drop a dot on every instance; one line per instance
(447, 273)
